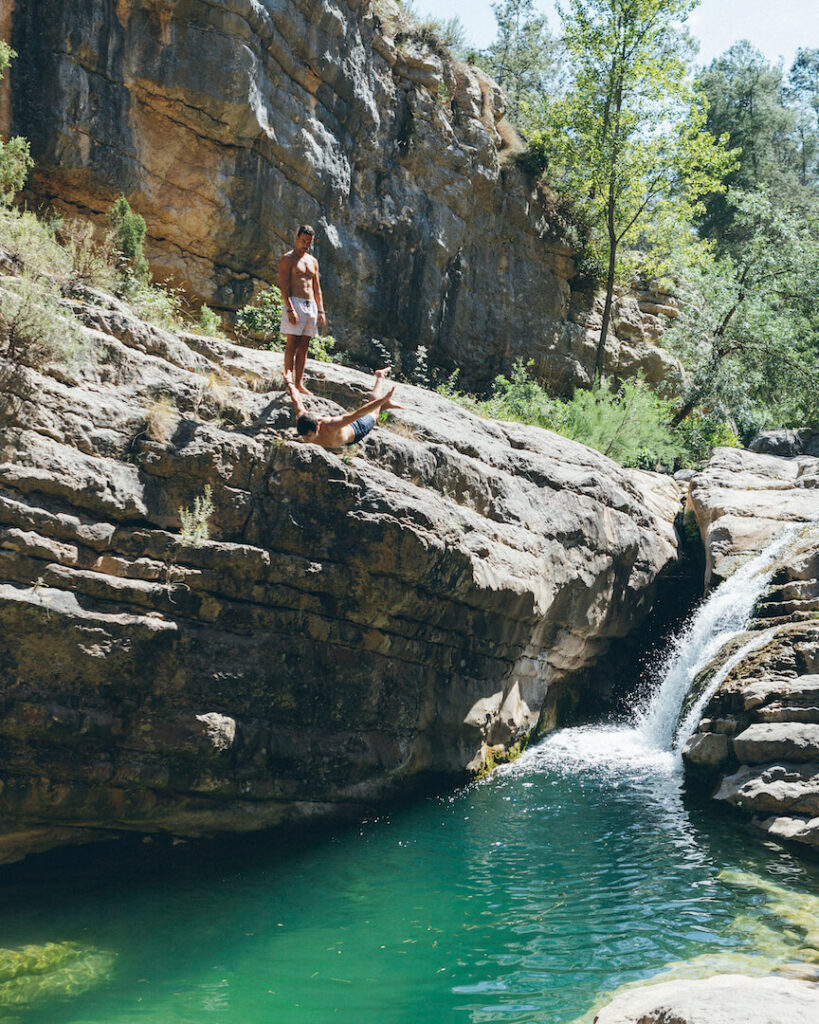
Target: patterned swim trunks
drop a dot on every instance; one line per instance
(307, 318)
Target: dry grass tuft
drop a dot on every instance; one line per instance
(161, 418)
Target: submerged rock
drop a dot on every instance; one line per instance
(355, 622)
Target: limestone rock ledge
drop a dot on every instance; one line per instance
(357, 621)
(724, 999)
(227, 125)
(757, 745)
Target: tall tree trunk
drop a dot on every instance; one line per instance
(604, 327)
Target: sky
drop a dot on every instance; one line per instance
(778, 29)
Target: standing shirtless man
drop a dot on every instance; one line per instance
(303, 306)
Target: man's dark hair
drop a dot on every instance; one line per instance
(306, 229)
(305, 425)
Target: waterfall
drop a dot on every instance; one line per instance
(725, 614)
(650, 744)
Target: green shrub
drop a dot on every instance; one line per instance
(15, 158)
(161, 306)
(69, 251)
(628, 425)
(262, 318)
(32, 243)
(701, 433)
(92, 259)
(196, 522)
(321, 348)
(130, 233)
(210, 323)
(15, 163)
(519, 397)
(35, 329)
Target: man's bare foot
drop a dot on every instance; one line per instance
(388, 403)
(381, 374)
(303, 390)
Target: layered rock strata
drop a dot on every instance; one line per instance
(228, 124)
(757, 744)
(357, 621)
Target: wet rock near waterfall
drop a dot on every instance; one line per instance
(228, 125)
(757, 742)
(742, 500)
(356, 623)
(724, 999)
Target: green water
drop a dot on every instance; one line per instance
(521, 899)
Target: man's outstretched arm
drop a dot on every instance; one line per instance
(373, 406)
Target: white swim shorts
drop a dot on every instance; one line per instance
(307, 318)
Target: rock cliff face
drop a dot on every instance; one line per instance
(228, 124)
(757, 745)
(357, 621)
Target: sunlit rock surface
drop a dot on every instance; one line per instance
(357, 621)
(757, 744)
(227, 125)
(726, 999)
(743, 499)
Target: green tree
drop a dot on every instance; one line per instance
(802, 93)
(628, 142)
(746, 101)
(749, 330)
(130, 231)
(15, 158)
(523, 58)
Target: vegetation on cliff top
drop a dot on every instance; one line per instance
(710, 180)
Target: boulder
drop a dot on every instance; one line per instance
(765, 742)
(786, 443)
(773, 788)
(724, 999)
(355, 622)
(741, 500)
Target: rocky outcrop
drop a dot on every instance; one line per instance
(725, 999)
(228, 125)
(787, 443)
(742, 500)
(356, 622)
(757, 745)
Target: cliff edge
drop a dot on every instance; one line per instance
(356, 621)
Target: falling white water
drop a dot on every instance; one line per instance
(651, 742)
(716, 622)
